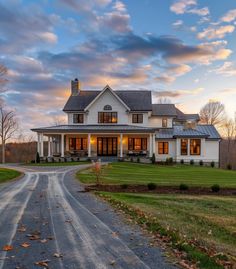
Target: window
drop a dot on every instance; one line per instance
(77, 143)
(164, 122)
(163, 147)
(107, 117)
(137, 118)
(137, 144)
(195, 146)
(184, 146)
(107, 107)
(78, 118)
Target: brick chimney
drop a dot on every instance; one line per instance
(75, 87)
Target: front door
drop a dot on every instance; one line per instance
(107, 146)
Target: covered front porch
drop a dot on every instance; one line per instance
(125, 142)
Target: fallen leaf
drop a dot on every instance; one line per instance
(22, 229)
(113, 262)
(44, 241)
(42, 263)
(69, 220)
(57, 255)
(25, 245)
(34, 237)
(50, 237)
(7, 248)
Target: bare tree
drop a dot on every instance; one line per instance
(57, 120)
(213, 113)
(163, 100)
(8, 126)
(3, 80)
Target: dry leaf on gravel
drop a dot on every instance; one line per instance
(50, 237)
(7, 248)
(42, 263)
(25, 245)
(113, 262)
(44, 241)
(57, 255)
(21, 229)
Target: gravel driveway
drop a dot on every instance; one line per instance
(50, 223)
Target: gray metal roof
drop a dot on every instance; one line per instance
(183, 117)
(135, 100)
(94, 129)
(201, 131)
(164, 110)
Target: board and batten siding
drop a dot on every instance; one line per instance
(156, 122)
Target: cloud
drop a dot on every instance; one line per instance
(228, 91)
(186, 6)
(229, 16)
(179, 93)
(216, 32)
(227, 69)
(179, 25)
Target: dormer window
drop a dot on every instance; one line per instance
(78, 118)
(164, 122)
(107, 107)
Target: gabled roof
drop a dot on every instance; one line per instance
(137, 100)
(201, 131)
(164, 110)
(184, 117)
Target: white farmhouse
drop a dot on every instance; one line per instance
(126, 123)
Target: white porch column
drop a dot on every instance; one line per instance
(150, 145)
(89, 145)
(49, 146)
(41, 145)
(38, 143)
(62, 145)
(121, 145)
(154, 144)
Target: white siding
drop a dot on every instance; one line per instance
(155, 121)
(145, 119)
(70, 118)
(107, 98)
(172, 150)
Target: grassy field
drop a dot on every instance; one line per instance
(58, 164)
(133, 173)
(7, 174)
(209, 220)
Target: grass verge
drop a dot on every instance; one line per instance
(8, 174)
(58, 164)
(200, 230)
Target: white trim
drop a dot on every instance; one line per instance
(101, 93)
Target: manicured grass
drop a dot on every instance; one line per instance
(58, 164)
(8, 174)
(209, 221)
(133, 173)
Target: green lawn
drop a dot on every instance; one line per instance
(7, 174)
(211, 220)
(133, 173)
(58, 164)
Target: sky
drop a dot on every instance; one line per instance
(183, 50)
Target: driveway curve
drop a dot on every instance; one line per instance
(51, 223)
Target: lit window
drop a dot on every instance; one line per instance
(107, 117)
(184, 146)
(195, 146)
(77, 143)
(163, 147)
(137, 144)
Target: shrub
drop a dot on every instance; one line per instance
(215, 188)
(212, 164)
(183, 187)
(138, 160)
(169, 160)
(124, 186)
(182, 161)
(201, 162)
(153, 158)
(131, 159)
(37, 159)
(192, 162)
(229, 166)
(152, 186)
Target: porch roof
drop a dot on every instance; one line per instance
(94, 129)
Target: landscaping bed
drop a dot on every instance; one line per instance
(159, 189)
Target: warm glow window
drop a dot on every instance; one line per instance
(77, 143)
(184, 146)
(107, 117)
(163, 147)
(195, 146)
(137, 144)
(137, 118)
(78, 118)
(164, 122)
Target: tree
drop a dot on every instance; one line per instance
(3, 80)
(8, 126)
(163, 100)
(213, 113)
